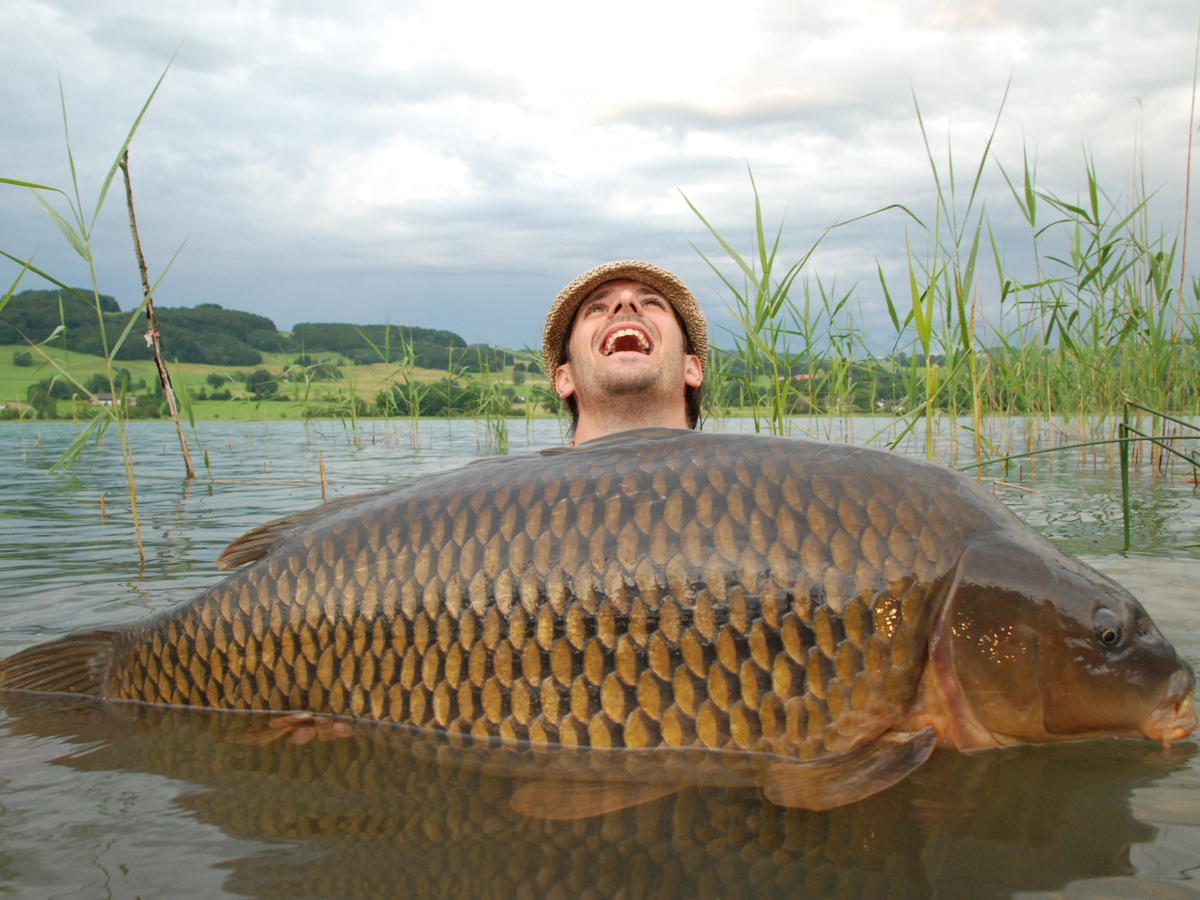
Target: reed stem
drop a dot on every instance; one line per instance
(152, 336)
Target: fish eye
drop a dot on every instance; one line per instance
(1107, 627)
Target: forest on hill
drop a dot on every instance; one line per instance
(210, 334)
(431, 349)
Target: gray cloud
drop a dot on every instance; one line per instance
(368, 163)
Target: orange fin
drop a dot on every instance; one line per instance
(260, 541)
(75, 664)
(848, 777)
(564, 801)
(298, 728)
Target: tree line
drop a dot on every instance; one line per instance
(209, 334)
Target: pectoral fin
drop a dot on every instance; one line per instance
(564, 801)
(298, 728)
(848, 777)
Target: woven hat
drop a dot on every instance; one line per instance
(562, 311)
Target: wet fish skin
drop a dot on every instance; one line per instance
(675, 593)
(766, 596)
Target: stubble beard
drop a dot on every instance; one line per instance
(627, 383)
(633, 393)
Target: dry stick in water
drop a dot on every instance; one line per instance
(152, 340)
(321, 465)
(1011, 485)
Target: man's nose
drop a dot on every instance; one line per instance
(626, 302)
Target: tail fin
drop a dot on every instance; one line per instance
(75, 664)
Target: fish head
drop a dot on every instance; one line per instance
(1034, 647)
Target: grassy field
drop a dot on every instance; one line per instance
(361, 381)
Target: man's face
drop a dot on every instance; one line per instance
(626, 339)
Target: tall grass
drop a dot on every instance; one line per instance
(78, 227)
(1097, 318)
(763, 341)
(493, 403)
(403, 392)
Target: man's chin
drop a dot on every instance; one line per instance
(627, 380)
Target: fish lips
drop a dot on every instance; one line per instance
(1175, 719)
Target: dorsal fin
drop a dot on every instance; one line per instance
(75, 664)
(261, 540)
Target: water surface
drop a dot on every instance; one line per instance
(119, 800)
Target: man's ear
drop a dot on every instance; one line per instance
(693, 375)
(564, 384)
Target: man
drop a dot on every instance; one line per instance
(625, 346)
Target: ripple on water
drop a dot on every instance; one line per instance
(93, 804)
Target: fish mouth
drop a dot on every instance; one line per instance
(1175, 718)
(627, 339)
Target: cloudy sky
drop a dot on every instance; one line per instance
(452, 165)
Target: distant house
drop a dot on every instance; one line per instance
(107, 399)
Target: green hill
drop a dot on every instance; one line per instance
(35, 314)
(431, 349)
(212, 335)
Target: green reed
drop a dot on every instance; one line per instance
(413, 390)
(774, 339)
(78, 227)
(492, 404)
(534, 387)
(403, 392)
(1090, 314)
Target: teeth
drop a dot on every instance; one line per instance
(643, 344)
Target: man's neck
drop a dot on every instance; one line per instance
(597, 423)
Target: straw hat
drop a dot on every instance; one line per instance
(562, 311)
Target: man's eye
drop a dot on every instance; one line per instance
(594, 308)
(655, 301)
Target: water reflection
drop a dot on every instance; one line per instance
(366, 817)
(109, 801)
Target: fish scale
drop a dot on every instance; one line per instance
(712, 594)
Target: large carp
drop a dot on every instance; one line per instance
(659, 608)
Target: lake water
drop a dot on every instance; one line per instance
(122, 801)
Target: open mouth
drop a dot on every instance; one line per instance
(626, 340)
